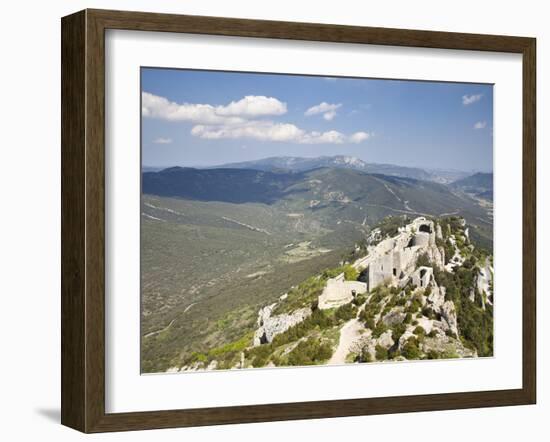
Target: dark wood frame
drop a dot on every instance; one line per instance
(83, 217)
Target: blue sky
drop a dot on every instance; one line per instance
(204, 118)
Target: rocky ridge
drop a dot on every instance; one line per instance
(411, 309)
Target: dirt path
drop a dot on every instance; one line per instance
(148, 335)
(189, 307)
(349, 334)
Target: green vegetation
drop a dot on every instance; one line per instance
(410, 349)
(380, 329)
(310, 352)
(423, 261)
(319, 320)
(419, 332)
(474, 324)
(303, 295)
(350, 273)
(260, 355)
(345, 312)
(390, 225)
(365, 356)
(381, 353)
(415, 304)
(397, 331)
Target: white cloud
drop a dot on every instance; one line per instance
(240, 119)
(162, 140)
(328, 110)
(253, 106)
(271, 131)
(480, 125)
(470, 99)
(153, 106)
(259, 130)
(329, 137)
(359, 137)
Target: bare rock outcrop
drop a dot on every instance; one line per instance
(437, 297)
(270, 326)
(447, 347)
(385, 340)
(394, 316)
(448, 315)
(438, 232)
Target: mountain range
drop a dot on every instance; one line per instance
(327, 194)
(478, 184)
(301, 164)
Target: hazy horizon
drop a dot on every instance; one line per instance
(209, 166)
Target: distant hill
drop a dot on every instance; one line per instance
(330, 194)
(300, 164)
(228, 185)
(479, 184)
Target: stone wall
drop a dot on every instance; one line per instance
(394, 259)
(339, 292)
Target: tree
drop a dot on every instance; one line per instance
(350, 273)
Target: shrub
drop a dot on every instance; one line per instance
(332, 273)
(310, 352)
(359, 300)
(419, 331)
(379, 329)
(198, 357)
(428, 312)
(381, 353)
(345, 312)
(317, 319)
(259, 355)
(397, 331)
(389, 226)
(432, 354)
(423, 260)
(365, 355)
(414, 306)
(410, 350)
(367, 319)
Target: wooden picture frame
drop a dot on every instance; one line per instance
(83, 220)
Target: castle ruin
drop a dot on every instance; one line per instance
(393, 260)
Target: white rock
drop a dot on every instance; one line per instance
(270, 326)
(448, 314)
(385, 339)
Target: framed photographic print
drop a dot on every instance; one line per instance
(269, 220)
